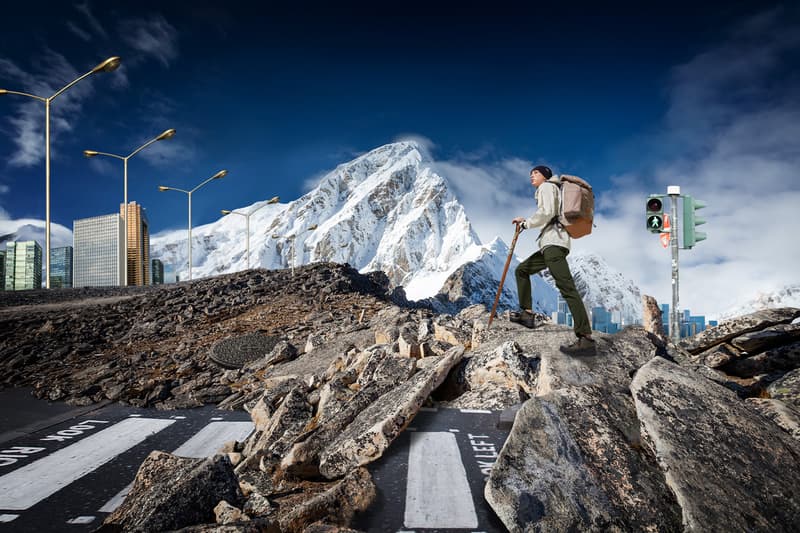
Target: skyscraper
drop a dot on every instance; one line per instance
(98, 257)
(23, 265)
(2, 270)
(138, 244)
(61, 266)
(158, 272)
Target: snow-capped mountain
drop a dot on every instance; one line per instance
(476, 281)
(600, 285)
(788, 296)
(386, 210)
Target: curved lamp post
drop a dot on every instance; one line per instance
(106, 66)
(162, 188)
(273, 200)
(291, 239)
(92, 153)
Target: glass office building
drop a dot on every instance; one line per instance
(138, 244)
(61, 266)
(158, 272)
(23, 266)
(2, 270)
(99, 257)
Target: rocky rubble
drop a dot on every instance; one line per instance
(643, 435)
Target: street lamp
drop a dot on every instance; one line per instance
(291, 238)
(92, 153)
(162, 188)
(273, 200)
(106, 66)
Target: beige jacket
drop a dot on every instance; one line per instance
(548, 202)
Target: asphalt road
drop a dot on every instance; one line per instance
(65, 468)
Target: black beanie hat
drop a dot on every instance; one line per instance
(545, 171)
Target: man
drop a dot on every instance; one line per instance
(554, 245)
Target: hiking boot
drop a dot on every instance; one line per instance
(582, 346)
(523, 318)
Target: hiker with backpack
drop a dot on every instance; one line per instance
(554, 245)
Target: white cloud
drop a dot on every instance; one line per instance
(53, 72)
(152, 36)
(731, 132)
(94, 24)
(84, 35)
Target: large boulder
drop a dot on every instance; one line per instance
(172, 492)
(574, 460)
(739, 326)
(371, 432)
(725, 464)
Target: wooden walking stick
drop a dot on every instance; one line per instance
(505, 271)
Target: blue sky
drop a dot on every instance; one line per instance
(631, 97)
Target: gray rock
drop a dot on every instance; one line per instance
(337, 504)
(491, 379)
(303, 458)
(574, 460)
(758, 341)
(720, 355)
(781, 359)
(652, 319)
(724, 464)
(172, 492)
(226, 513)
(739, 326)
(787, 388)
(371, 432)
(287, 422)
(785, 416)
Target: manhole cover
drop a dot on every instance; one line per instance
(235, 352)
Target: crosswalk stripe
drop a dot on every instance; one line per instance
(437, 492)
(27, 486)
(204, 443)
(210, 439)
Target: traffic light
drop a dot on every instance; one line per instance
(655, 214)
(690, 222)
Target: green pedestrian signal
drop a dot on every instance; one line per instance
(690, 222)
(655, 214)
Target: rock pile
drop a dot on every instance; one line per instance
(149, 346)
(645, 435)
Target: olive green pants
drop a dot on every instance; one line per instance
(553, 258)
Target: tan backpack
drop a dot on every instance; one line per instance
(576, 213)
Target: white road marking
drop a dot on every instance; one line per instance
(27, 486)
(204, 443)
(437, 493)
(81, 520)
(476, 411)
(210, 439)
(4, 518)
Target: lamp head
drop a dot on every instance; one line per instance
(89, 153)
(110, 64)
(3, 91)
(162, 188)
(273, 200)
(225, 212)
(220, 174)
(166, 135)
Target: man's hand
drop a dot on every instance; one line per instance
(519, 221)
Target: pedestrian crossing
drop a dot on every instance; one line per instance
(45, 482)
(72, 476)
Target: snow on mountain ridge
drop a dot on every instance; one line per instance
(385, 210)
(788, 296)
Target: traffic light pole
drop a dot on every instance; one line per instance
(674, 192)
